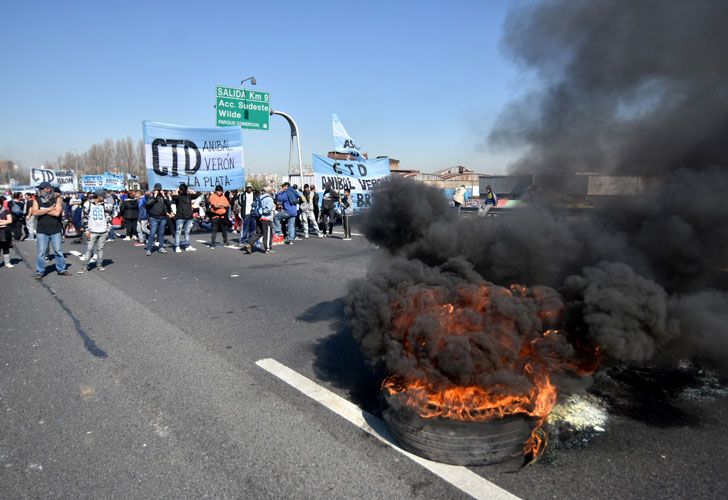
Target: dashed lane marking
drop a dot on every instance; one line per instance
(460, 477)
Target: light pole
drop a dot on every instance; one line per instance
(252, 80)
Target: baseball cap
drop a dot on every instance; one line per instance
(44, 185)
(248, 185)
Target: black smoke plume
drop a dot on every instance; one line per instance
(638, 88)
(623, 87)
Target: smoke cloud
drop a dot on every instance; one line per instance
(638, 88)
(623, 87)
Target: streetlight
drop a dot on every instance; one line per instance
(252, 80)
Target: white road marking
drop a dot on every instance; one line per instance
(460, 477)
(76, 253)
(342, 232)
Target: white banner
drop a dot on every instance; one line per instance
(66, 180)
(38, 175)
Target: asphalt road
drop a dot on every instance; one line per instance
(141, 382)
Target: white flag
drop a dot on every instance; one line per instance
(343, 143)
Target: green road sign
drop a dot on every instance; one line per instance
(242, 108)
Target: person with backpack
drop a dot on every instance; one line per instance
(183, 218)
(289, 200)
(98, 224)
(265, 211)
(328, 214)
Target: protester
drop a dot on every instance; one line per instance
(265, 211)
(316, 200)
(490, 197)
(288, 199)
(219, 205)
(458, 197)
(97, 230)
(327, 211)
(48, 208)
(158, 207)
(130, 213)
(17, 209)
(30, 219)
(143, 221)
(183, 218)
(6, 233)
(347, 210)
(308, 218)
(247, 201)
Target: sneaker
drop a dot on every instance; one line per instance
(38, 276)
(190, 249)
(321, 235)
(305, 237)
(347, 239)
(288, 242)
(102, 268)
(9, 265)
(128, 238)
(148, 252)
(212, 247)
(178, 250)
(162, 250)
(64, 273)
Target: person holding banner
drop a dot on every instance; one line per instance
(158, 207)
(48, 208)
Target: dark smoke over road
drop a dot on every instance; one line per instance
(626, 88)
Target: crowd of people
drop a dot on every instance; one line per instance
(257, 219)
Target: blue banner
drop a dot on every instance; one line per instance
(361, 176)
(202, 158)
(114, 182)
(92, 182)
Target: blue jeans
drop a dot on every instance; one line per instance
(182, 225)
(156, 226)
(277, 224)
(248, 229)
(41, 245)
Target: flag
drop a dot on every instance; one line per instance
(343, 143)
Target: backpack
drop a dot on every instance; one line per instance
(16, 209)
(259, 210)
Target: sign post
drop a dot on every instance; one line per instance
(242, 108)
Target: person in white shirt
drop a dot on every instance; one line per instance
(98, 216)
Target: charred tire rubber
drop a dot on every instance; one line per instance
(459, 442)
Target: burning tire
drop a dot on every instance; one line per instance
(460, 442)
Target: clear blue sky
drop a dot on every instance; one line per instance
(418, 81)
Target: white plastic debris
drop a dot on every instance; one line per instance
(581, 411)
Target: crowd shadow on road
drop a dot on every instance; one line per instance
(339, 361)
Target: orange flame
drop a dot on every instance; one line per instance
(470, 312)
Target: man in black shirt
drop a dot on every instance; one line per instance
(159, 207)
(48, 209)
